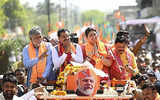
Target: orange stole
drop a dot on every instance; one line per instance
(71, 82)
(96, 56)
(37, 69)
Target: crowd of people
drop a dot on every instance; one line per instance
(45, 58)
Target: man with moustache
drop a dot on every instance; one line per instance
(37, 57)
(21, 78)
(10, 89)
(124, 63)
(86, 82)
(65, 51)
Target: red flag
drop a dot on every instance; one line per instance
(117, 14)
(59, 25)
(123, 18)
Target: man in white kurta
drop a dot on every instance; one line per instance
(65, 51)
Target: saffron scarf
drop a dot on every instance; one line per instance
(37, 69)
(96, 54)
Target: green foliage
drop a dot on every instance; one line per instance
(42, 21)
(39, 17)
(94, 16)
(30, 17)
(2, 18)
(6, 47)
(15, 13)
(18, 45)
(42, 8)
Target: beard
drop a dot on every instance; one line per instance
(87, 92)
(121, 51)
(8, 95)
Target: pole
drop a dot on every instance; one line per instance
(66, 12)
(48, 12)
(60, 12)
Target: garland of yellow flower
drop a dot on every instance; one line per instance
(61, 80)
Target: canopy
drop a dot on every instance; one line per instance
(143, 21)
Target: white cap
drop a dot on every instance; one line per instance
(1, 76)
(53, 36)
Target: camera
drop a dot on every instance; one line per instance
(136, 77)
(73, 37)
(143, 77)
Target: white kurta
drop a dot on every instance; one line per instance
(28, 96)
(59, 60)
(157, 73)
(1, 96)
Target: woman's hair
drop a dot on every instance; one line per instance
(89, 29)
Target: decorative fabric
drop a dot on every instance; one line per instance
(37, 69)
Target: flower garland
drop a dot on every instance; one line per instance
(62, 78)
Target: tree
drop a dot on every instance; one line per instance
(6, 48)
(30, 17)
(15, 13)
(2, 18)
(42, 8)
(93, 16)
(38, 16)
(42, 21)
(47, 15)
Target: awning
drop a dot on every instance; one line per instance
(143, 21)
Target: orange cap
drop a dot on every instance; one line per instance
(86, 72)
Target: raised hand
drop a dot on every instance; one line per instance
(39, 89)
(147, 30)
(107, 62)
(129, 69)
(67, 48)
(44, 54)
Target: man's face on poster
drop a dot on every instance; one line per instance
(86, 85)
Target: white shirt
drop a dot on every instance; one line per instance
(59, 60)
(28, 96)
(157, 73)
(1, 96)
